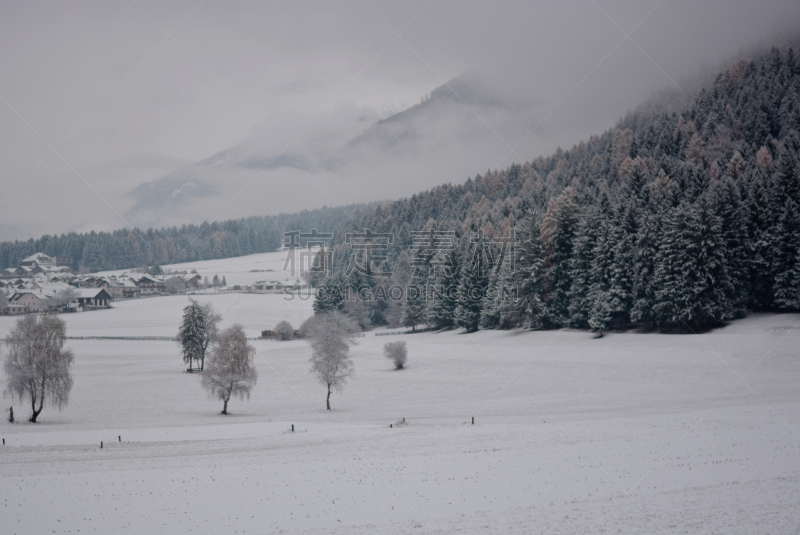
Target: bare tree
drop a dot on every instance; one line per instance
(63, 298)
(174, 285)
(37, 366)
(331, 334)
(397, 353)
(230, 370)
(284, 330)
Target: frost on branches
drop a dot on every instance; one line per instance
(37, 366)
(230, 371)
(330, 334)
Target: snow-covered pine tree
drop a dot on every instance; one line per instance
(669, 277)
(442, 295)
(558, 231)
(599, 297)
(728, 205)
(690, 278)
(711, 283)
(786, 264)
(473, 281)
(192, 334)
(760, 236)
(490, 305)
(414, 303)
(330, 295)
(581, 261)
(644, 263)
(624, 237)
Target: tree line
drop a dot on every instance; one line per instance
(133, 248)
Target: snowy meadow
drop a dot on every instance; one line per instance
(638, 433)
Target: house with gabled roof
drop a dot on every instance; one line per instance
(38, 259)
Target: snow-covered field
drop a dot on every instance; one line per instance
(161, 316)
(631, 433)
(240, 270)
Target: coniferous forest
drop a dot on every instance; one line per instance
(676, 221)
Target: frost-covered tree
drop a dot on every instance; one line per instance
(174, 285)
(442, 291)
(37, 367)
(62, 298)
(558, 230)
(230, 371)
(330, 335)
(397, 353)
(198, 330)
(284, 330)
(330, 295)
(473, 281)
(787, 258)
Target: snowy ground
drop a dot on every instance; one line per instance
(631, 433)
(161, 316)
(241, 270)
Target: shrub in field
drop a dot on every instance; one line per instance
(397, 353)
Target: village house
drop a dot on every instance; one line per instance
(38, 259)
(92, 298)
(149, 284)
(120, 289)
(24, 302)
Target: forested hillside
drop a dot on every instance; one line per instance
(674, 221)
(130, 248)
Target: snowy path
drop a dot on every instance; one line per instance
(631, 434)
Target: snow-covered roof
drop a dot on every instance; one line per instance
(39, 258)
(88, 293)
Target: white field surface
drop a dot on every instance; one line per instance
(161, 316)
(631, 433)
(241, 270)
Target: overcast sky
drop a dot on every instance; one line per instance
(128, 92)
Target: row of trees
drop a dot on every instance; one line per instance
(230, 371)
(132, 248)
(38, 367)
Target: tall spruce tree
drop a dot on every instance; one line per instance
(442, 295)
(473, 282)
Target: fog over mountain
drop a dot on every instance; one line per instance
(145, 114)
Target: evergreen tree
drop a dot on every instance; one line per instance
(599, 313)
(414, 304)
(558, 231)
(529, 309)
(786, 266)
(442, 295)
(644, 264)
(473, 281)
(331, 294)
(192, 334)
